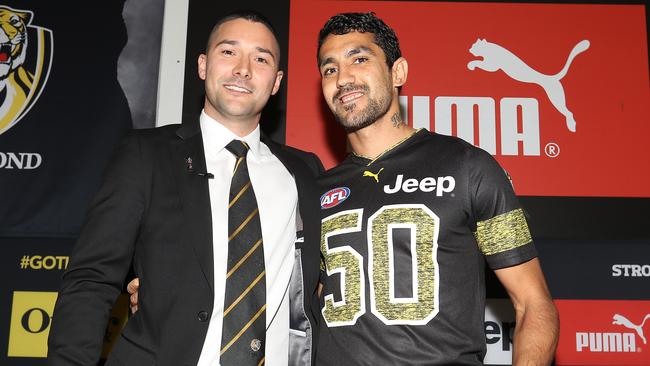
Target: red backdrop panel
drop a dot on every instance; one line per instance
(603, 332)
(606, 88)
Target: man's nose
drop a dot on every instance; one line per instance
(242, 68)
(344, 77)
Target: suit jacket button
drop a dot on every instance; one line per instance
(203, 316)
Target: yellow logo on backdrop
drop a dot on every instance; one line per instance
(31, 316)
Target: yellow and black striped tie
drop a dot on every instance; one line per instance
(244, 317)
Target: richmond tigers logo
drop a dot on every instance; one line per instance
(25, 60)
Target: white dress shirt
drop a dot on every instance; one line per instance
(277, 198)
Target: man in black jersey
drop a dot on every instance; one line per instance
(409, 220)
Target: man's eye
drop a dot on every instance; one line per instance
(329, 71)
(360, 60)
(261, 60)
(228, 52)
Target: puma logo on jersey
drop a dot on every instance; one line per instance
(368, 173)
(440, 185)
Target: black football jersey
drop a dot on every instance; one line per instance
(405, 239)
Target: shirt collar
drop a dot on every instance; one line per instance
(216, 136)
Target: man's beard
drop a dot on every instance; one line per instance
(376, 108)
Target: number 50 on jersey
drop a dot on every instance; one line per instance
(422, 306)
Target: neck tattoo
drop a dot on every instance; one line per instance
(397, 120)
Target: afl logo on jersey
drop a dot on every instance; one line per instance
(333, 197)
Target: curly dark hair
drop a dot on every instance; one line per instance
(345, 23)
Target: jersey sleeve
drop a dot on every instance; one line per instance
(501, 230)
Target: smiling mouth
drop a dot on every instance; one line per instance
(350, 97)
(237, 89)
(349, 93)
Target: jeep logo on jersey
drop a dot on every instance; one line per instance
(440, 185)
(334, 196)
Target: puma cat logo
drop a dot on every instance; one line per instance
(496, 58)
(368, 173)
(621, 320)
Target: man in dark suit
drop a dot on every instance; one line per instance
(165, 210)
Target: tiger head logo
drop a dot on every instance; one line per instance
(25, 60)
(13, 39)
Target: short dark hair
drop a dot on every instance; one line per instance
(344, 23)
(250, 15)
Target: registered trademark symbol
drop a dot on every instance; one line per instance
(552, 150)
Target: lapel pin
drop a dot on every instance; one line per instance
(188, 165)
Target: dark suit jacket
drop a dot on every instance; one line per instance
(154, 214)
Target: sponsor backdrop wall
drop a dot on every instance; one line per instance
(558, 93)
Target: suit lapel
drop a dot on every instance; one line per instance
(294, 165)
(297, 168)
(195, 195)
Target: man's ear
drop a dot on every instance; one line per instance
(278, 80)
(201, 65)
(400, 72)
